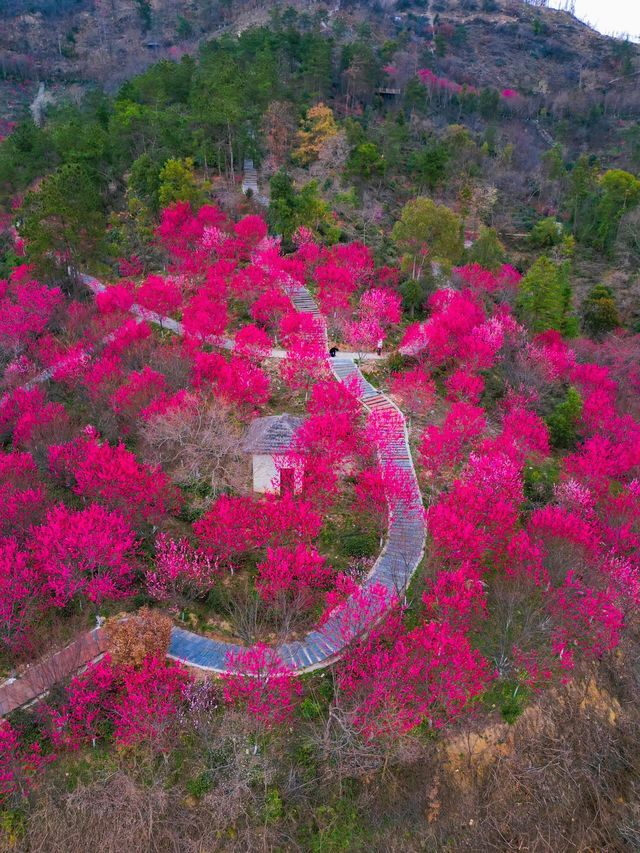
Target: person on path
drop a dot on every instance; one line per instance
(379, 346)
(333, 351)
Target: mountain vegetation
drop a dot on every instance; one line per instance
(446, 196)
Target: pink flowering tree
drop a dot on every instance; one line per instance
(89, 553)
(205, 317)
(304, 364)
(442, 448)
(26, 308)
(21, 765)
(253, 343)
(270, 307)
(416, 391)
(381, 304)
(179, 569)
(393, 680)
(19, 595)
(113, 477)
(258, 681)
(237, 381)
(159, 295)
(297, 573)
(145, 711)
(23, 495)
(363, 336)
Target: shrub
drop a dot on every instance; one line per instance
(545, 233)
(563, 420)
(600, 312)
(143, 635)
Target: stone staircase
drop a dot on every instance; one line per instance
(250, 182)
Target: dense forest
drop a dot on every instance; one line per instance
(256, 596)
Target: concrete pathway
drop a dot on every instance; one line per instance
(394, 568)
(41, 676)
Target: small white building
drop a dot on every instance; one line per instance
(268, 440)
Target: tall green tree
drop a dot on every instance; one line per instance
(426, 232)
(365, 162)
(564, 420)
(619, 192)
(177, 182)
(600, 312)
(289, 209)
(488, 250)
(24, 154)
(429, 166)
(582, 195)
(64, 220)
(544, 297)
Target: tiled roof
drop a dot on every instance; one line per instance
(272, 434)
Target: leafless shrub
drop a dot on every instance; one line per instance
(196, 443)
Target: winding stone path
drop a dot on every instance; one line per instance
(394, 568)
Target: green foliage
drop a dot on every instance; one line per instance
(397, 362)
(581, 196)
(12, 827)
(64, 218)
(199, 786)
(598, 202)
(310, 708)
(289, 209)
(430, 165)
(553, 162)
(509, 696)
(335, 829)
(563, 421)
(425, 225)
(273, 808)
(488, 103)
(354, 132)
(144, 180)
(441, 44)
(144, 11)
(184, 27)
(545, 233)
(359, 543)
(414, 295)
(620, 191)
(8, 257)
(544, 297)
(488, 250)
(540, 481)
(600, 312)
(177, 182)
(24, 155)
(365, 161)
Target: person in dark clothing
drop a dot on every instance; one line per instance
(333, 351)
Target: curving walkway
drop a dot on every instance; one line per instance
(393, 569)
